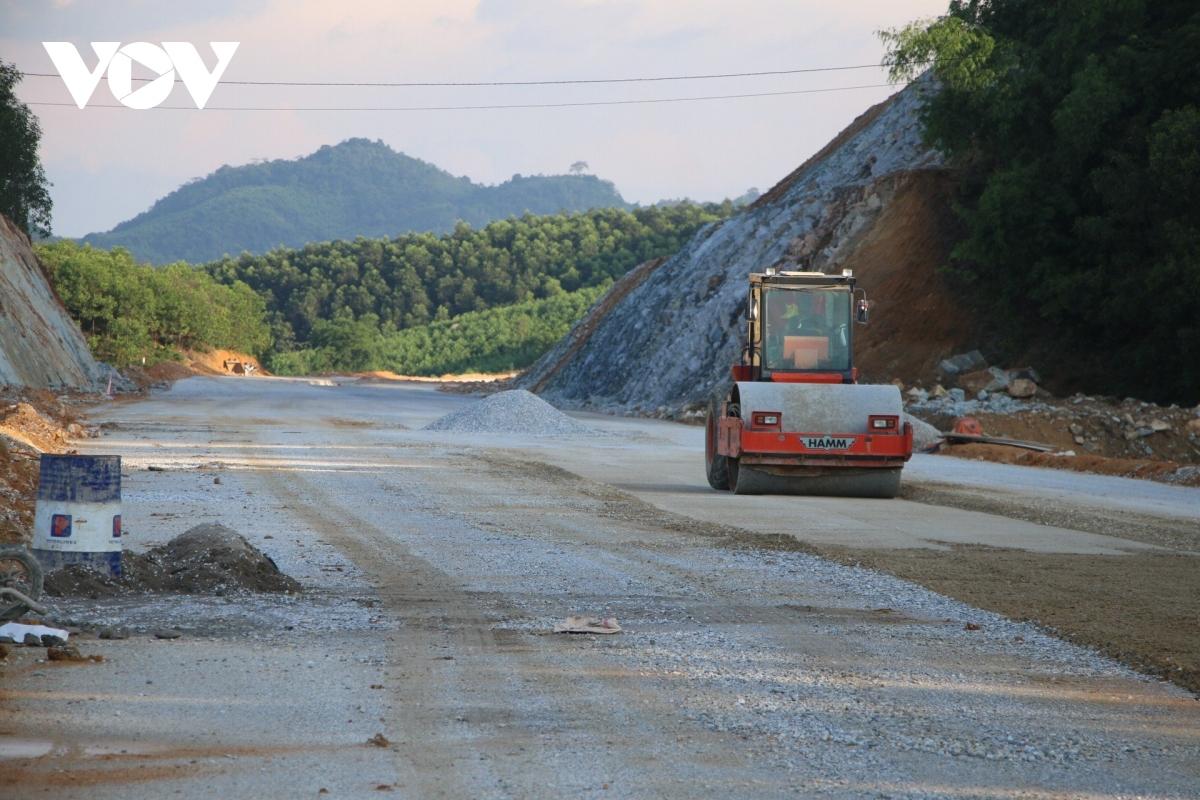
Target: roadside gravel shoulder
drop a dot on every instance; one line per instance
(1169, 532)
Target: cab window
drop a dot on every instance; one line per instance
(806, 329)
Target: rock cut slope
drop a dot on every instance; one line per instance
(875, 200)
(40, 345)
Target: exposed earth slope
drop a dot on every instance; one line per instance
(40, 346)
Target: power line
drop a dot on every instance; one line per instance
(552, 82)
(492, 106)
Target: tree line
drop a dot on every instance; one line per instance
(415, 279)
(487, 299)
(131, 311)
(496, 340)
(1075, 129)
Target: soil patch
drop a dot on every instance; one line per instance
(1162, 471)
(207, 559)
(192, 362)
(25, 423)
(464, 377)
(1142, 609)
(223, 362)
(917, 317)
(32, 421)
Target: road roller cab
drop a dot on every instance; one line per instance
(796, 420)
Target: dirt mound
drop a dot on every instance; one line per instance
(32, 421)
(223, 362)
(514, 411)
(207, 559)
(25, 423)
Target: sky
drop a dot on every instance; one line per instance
(108, 164)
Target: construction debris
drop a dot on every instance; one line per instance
(969, 437)
(962, 364)
(207, 559)
(588, 625)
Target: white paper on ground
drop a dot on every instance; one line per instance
(588, 625)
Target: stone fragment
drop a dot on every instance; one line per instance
(1022, 388)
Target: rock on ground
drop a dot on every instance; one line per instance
(515, 411)
(925, 436)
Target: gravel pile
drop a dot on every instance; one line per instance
(955, 403)
(516, 411)
(207, 559)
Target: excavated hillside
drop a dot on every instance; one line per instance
(874, 200)
(41, 347)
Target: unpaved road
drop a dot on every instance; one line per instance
(436, 565)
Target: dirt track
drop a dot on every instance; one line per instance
(436, 564)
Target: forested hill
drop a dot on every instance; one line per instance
(418, 278)
(356, 188)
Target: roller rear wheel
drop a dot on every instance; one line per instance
(716, 465)
(881, 483)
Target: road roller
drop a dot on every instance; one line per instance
(796, 420)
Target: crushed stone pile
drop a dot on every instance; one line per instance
(515, 411)
(207, 559)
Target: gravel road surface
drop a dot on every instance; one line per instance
(436, 564)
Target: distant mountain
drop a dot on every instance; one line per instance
(356, 188)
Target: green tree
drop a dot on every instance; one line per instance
(130, 311)
(1075, 128)
(24, 193)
